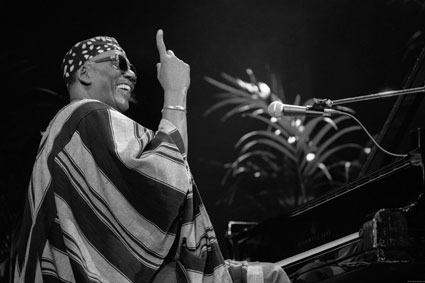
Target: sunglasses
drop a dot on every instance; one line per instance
(118, 61)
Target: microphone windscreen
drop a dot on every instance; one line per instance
(275, 109)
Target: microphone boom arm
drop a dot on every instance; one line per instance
(330, 103)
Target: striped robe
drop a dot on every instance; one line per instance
(111, 201)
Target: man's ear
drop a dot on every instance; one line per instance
(83, 75)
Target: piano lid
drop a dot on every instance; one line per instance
(406, 116)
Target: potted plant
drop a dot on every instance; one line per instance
(286, 161)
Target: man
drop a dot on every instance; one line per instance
(110, 200)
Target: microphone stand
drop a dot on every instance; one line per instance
(324, 105)
(321, 103)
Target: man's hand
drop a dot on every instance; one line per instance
(173, 73)
(174, 76)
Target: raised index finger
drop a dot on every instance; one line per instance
(160, 43)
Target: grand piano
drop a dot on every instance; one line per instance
(371, 230)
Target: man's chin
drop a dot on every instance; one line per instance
(122, 105)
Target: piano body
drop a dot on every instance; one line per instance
(371, 230)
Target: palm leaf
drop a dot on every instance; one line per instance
(318, 149)
(251, 154)
(266, 134)
(238, 110)
(225, 87)
(305, 134)
(321, 148)
(224, 103)
(285, 151)
(273, 126)
(240, 83)
(282, 125)
(277, 86)
(235, 165)
(231, 79)
(336, 136)
(326, 128)
(311, 166)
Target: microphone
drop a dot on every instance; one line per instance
(278, 109)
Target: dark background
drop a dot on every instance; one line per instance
(322, 48)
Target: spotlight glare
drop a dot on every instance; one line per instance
(310, 156)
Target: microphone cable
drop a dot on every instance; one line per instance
(370, 136)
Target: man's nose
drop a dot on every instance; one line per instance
(131, 76)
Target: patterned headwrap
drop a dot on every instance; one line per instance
(85, 50)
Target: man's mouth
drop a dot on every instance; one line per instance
(124, 87)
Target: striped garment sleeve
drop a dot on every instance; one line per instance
(104, 199)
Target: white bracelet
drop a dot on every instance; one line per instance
(176, 107)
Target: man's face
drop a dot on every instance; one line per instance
(110, 84)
